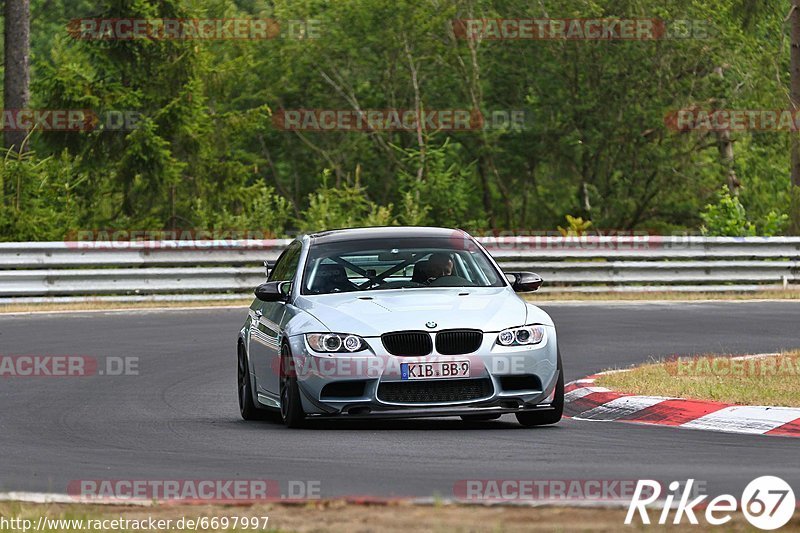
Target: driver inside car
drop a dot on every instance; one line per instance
(439, 265)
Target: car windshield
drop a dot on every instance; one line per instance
(401, 263)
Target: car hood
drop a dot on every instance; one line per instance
(373, 313)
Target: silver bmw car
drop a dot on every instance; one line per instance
(393, 322)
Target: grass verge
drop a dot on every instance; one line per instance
(770, 380)
(340, 516)
(789, 294)
(100, 305)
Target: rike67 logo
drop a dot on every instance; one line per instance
(768, 502)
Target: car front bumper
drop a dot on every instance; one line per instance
(494, 365)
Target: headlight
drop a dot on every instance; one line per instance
(521, 336)
(335, 342)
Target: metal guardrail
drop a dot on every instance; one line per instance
(34, 255)
(224, 269)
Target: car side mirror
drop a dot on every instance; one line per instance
(274, 291)
(524, 281)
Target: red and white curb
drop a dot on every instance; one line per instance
(585, 401)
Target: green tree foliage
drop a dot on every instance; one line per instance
(41, 202)
(727, 217)
(206, 154)
(442, 195)
(341, 207)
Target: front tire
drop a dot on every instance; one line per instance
(247, 408)
(553, 416)
(291, 406)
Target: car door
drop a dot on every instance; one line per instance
(268, 323)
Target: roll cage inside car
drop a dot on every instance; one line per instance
(470, 265)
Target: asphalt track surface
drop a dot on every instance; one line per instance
(178, 419)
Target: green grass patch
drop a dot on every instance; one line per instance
(770, 380)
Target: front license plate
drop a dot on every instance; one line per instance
(434, 370)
